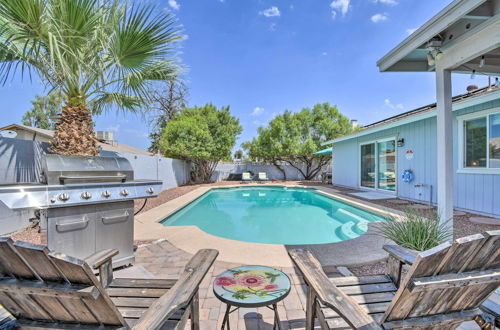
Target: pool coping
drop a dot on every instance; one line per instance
(364, 249)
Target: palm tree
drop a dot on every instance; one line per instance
(100, 54)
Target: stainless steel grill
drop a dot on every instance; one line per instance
(87, 203)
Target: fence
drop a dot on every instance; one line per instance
(224, 169)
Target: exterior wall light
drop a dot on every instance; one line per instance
(430, 59)
(401, 142)
(439, 55)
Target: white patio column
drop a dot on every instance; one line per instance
(444, 146)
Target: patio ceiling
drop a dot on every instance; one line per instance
(463, 22)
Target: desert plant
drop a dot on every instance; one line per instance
(101, 54)
(415, 231)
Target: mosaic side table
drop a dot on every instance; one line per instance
(251, 287)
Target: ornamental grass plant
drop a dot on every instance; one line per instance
(416, 231)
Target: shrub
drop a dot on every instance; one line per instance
(415, 231)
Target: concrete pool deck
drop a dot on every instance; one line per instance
(364, 249)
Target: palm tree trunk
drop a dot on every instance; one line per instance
(74, 133)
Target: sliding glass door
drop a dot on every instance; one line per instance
(368, 165)
(378, 165)
(386, 165)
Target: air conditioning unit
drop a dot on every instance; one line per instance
(105, 136)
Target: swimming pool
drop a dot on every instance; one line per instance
(274, 215)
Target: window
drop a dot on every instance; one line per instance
(494, 141)
(475, 143)
(481, 142)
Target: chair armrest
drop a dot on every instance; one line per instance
(403, 254)
(329, 294)
(180, 295)
(98, 259)
(102, 260)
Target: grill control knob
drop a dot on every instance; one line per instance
(150, 190)
(86, 195)
(106, 194)
(63, 197)
(124, 192)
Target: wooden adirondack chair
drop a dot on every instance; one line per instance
(47, 290)
(443, 288)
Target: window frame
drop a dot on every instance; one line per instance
(462, 145)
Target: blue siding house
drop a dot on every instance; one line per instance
(376, 157)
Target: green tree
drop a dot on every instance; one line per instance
(293, 138)
(43, 111)
(203, 135)
(100, 54)
(238, 154)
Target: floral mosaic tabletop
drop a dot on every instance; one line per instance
(251, 286)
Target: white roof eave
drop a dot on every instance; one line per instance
(437, 24)
(458, 105)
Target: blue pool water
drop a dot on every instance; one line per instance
(275, 215)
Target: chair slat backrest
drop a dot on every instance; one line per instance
(11, 262)
(477, 255)
(43, 286)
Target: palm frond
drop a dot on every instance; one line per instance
(143, 37)
(89, 48)
(105, 101)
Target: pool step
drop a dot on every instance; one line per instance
(350, 230)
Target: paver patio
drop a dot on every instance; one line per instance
(164, 260)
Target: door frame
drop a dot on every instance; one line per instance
(375, 142)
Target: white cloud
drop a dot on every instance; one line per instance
(410, 31)
(391, 105)
(270, 12)
(387, 2)
(257, 111)
(324, 53)
(341, 6)
(257, 123)
(174, 4)
(377, 18)
(272, 27)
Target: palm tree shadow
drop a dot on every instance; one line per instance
(21, 160)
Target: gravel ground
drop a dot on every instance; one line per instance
(29, 235)
(369, 269)
(462, 226)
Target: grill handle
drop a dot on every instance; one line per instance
(121, 178)
(115, 219)
(63, 227)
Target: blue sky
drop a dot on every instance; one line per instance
(264, 56)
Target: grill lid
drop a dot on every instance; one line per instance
(58, 169)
